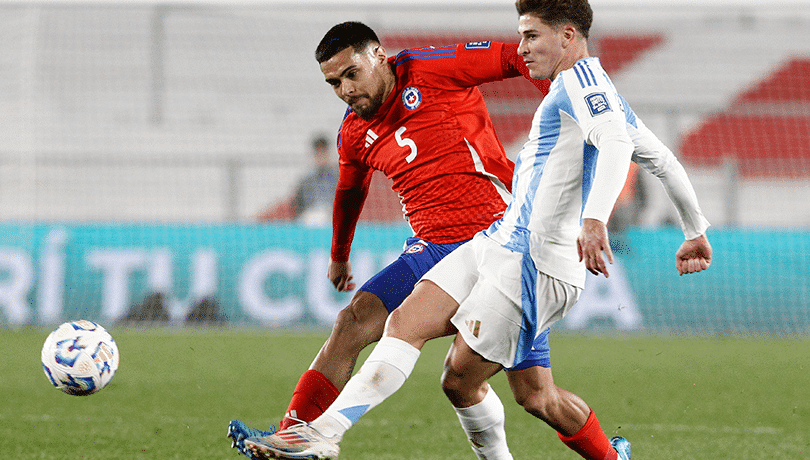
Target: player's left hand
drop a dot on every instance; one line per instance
(340, 274)
(591, 243)
(694, 255)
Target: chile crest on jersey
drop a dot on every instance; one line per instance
(411, 97)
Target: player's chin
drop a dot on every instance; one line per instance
(538, 74)
(531, 66)
(367, 115)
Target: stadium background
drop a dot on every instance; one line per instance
(149, 150)
(141, 141)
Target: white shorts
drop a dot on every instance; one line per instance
(504, 301)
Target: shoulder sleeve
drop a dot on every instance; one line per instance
(452, 67)
(465, 65)
(593, 101)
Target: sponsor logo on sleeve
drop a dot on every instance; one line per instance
(597, 103)
(477, 45)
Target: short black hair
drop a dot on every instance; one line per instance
(346, 34)
(556, 12)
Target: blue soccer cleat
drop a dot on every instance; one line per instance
(238, 432)
(622, 446)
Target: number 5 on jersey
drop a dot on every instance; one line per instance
(404, 142)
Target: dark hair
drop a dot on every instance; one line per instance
(556, 12)
(346, 34)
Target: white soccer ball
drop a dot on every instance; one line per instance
(80, 357)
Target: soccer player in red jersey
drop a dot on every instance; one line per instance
(420, 119)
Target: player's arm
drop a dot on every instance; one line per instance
(695, 254)
(513, 66)
(476, 63)
(615, 151)
(350, 194)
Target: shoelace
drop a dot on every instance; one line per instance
(294, 419)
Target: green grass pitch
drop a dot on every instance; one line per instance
(175, 391)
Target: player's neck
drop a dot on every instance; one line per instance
(575, 53)
(390, 80)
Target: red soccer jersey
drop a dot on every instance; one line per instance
(434, 139)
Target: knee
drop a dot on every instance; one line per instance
(347, 320)
(397, 322)
(451, 383)
(453, 389)
(360, 321)
(460, 390)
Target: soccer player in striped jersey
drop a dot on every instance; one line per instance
(500, 291)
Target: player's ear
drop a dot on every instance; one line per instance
(568, 34)
(381, 54)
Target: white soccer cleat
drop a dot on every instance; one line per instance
(296, 442)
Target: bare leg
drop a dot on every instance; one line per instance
(465, 383)
(424, 315)
(478, 408)
(357, 326)
(465, 379)
(575, 422)
(534, 389)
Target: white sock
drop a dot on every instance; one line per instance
(484, 425)
(382, 374)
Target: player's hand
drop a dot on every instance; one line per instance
(694, 255)
(591, 243)
(340, 274)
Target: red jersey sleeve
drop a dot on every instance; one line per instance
(350, 194)
(475, 63)
(513, 66)
(457, 66)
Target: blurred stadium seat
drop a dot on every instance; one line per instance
(766, 129)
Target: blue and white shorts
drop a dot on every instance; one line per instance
(506, 305)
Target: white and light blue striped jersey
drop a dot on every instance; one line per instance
(555, 169)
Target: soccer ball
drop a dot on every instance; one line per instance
(80, 357)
